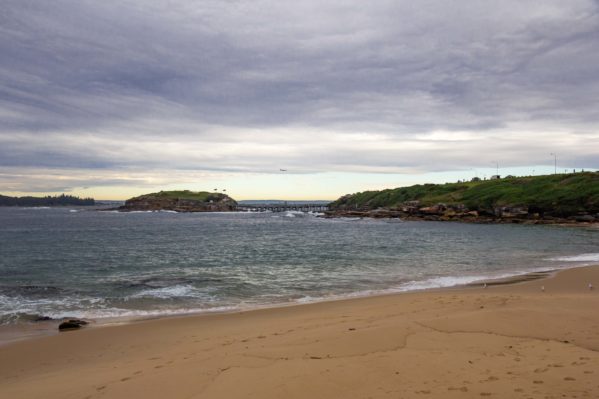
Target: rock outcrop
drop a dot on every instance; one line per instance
(459, 212)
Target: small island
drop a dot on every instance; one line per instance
(58, 200)
(181, 201)
(560, 198)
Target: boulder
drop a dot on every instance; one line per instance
(71, 324)
(433, 210)
(584, 218)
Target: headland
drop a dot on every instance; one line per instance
(550, 199)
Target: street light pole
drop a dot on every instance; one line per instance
(554, 162)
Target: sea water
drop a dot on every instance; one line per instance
(76, 262)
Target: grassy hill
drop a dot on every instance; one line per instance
(183, 194)
(560, 195)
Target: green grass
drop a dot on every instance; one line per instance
(562, 194)
(184, 194)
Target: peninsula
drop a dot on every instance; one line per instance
(180, 201)
(560, 198)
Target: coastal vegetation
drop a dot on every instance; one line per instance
(559, 196)
(58, 200)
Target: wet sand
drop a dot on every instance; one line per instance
(505, 341)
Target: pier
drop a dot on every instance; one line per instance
(283, 207)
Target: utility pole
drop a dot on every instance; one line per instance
(554, 162)
(497, 168)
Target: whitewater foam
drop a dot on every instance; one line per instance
(175, 291)
(590, 257)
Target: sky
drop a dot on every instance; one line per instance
(292, 99)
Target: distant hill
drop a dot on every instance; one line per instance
(181, 201)
(560, 196)
(59, 200)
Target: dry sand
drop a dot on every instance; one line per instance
(505, 341)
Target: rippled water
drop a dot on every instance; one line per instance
(70, 262)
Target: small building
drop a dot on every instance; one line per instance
(495, 177)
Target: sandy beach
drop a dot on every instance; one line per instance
(503, 341)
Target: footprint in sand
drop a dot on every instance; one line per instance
(538, 382)
(569, 379)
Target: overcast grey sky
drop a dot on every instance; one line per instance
(113, 98)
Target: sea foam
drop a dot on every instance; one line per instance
(591, 257)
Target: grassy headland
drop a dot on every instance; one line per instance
(561, 195)
(183, 194)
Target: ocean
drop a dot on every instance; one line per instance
(76, 262)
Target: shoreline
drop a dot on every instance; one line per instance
(468, 217)
(24, 331)
(506, 340)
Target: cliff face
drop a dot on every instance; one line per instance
(181, 201)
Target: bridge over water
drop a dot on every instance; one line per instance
(284, 207)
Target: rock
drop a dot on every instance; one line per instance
(433, 210)
(72, 324)
(511, 212)
(584, 218)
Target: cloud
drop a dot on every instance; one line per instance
(247, 86)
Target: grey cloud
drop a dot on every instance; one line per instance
(84, 83)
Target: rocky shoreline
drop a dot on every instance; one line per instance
(460, 213)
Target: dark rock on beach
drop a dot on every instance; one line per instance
(72, 324)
